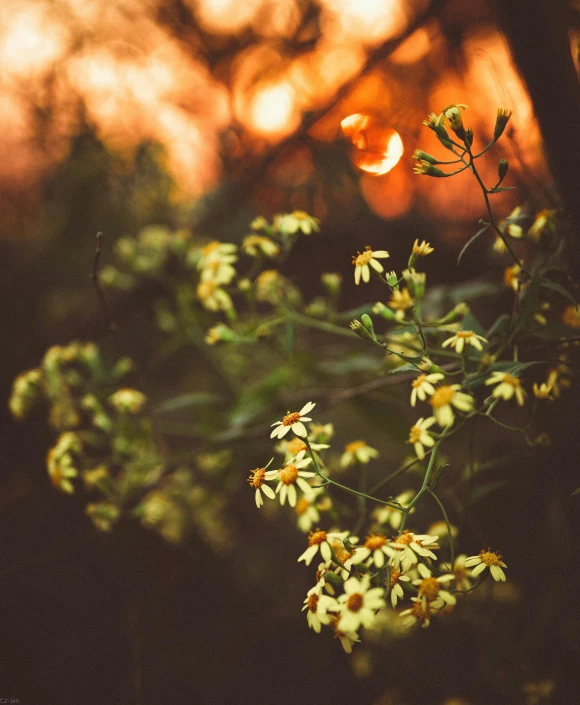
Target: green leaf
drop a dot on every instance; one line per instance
(576, 491)
(404, 368)
(289, 338)
(548, 284)
(498, 189)
(183, 401)
(483, 491)
(500, 327)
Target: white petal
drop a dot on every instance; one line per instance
(325, 551)
(309, 554)
(478, 569)
(307, 408)
(299, 429)
(259, 500)
(292, 495)
(377, 266)
(357, 273)
(366, 273)
(268, 491)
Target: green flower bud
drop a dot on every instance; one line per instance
(392, 280)
(502, 170)
(419, 155)
(361, 331)
(385, 312)
(468, 137)
(501, 121)
(424, 167)
(368, 324)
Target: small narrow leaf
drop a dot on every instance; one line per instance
(471, 241)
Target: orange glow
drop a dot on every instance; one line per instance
(377, 147)
(273, 109)
(412, 49)
(369, 21)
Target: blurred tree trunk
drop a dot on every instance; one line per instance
(538, 33)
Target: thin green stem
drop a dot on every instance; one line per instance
(447, 524)
(493, 223)
(344, 487)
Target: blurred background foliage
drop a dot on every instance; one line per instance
(198, 116)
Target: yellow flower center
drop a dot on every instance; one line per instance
(415, 434)
(206, 289)
(355, 602)
(375, 541)
(302, 506)
(465, 334)
(429, 588)
(490, 557)
(513, 381)
(288, 475)
(211, 247)
(340, 552)
(315, 538)
(395, 575)
(363, 258)
(354, 446)
(419, 381)
(419, 612)
(401, 300)
(295, 446)
(406, 538)
(442, 397)
(571, 317)
(313, 602)
(291, 418)
(300, 215)
(257, 477)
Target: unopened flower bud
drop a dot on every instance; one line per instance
(419, 155)
(392, 280)
(501, 121)
(367, 322)
(468, 139)
(332, 282)
(424, 168)
(456, 314)
(384, 311)
(502, 170)
(361, 331)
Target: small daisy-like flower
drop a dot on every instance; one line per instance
(213, 297)
(293, 421)
(347, 638)
(509, 226)
(430, 587)
(401, 301)
(128, 400)
(61, 463)
(407, 546)
(390, 515)
(306, 510)
(322, 540)
(258, 479)
(321, 582)
(219, 334)
(359, 604)
(318, 606)
(507, 387)
(447, 397)
(511, 277)
(357, 451)
(461, 574)
(453, 114)
(543, 219)
(487, 559)
(423, 249)
(362, 262)
(423, 385)
(571, 316)
(216, 262)
(419, 436)
(394, 585)
(255, 245)
(376, 547)
(462, 338)
(291, 223)
(290, 476)
(543, 391)
(419, 614)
